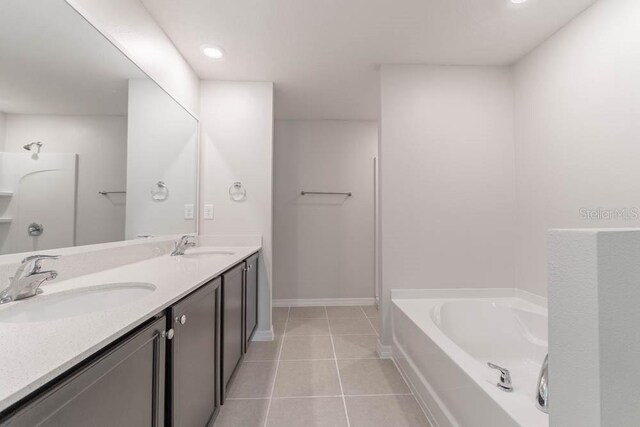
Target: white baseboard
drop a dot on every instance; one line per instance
(384, 351)
(317, 302)
(263, 335)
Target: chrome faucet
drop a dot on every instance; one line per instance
(182, 245)
(505, 378)
(27, 279)
(542, 391)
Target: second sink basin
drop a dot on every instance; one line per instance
(42, 308)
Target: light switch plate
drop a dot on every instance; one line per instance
(208, 211)
(188, 211)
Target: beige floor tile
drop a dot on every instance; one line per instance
(264, 350)
(371, 376)
(304, 347)
(245, 413)
(355, 346)
(308, 313)
(370, 310)
(345, 312)
(278, 328)
(355, 326)
(307, 378)
(253, 379)
(307, 412)
(375, 322)
(373, 319)
(279, 314)
(385, 411)
(307, 327)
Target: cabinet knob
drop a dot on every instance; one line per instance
(168, 334)
(181, 319)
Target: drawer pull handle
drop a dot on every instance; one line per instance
(181, 319)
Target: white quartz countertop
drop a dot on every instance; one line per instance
(32, 354)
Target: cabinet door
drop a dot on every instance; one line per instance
(193, 358)
(251, 299)
(122, 387)
(232, 323)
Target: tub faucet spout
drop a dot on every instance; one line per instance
(505, 378)
(542, 391)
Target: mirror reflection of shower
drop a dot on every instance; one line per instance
(37, 200)
(30, 147)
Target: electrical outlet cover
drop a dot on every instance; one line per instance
(208, 211)
(188, 211)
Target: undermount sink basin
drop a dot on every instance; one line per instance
(202, 252)
(77, 302)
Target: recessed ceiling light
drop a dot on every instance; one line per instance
(518, 1)
(213, 52)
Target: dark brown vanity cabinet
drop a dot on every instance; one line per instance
(174, 370)
(125, 386)
(232, 323)
(193, 394)
(251, 298)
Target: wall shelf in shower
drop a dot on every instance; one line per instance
(5, 220)
(6, 193)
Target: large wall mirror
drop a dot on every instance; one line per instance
(91, 149)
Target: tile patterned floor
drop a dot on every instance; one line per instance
(322, 370)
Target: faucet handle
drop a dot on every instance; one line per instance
(188, 240)
(36, 260)
(182, 244)
(505, 377)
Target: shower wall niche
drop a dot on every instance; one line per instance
(37, 189)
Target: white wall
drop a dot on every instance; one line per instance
(101, 145)
(161, 146)
(577, 130)
(594, 340)
(323, 245)
(128, 24)
(2, 130)
(446, 178)
(236, 137)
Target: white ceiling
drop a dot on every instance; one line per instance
(53, 62)
(323, 54)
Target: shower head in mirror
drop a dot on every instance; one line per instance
(37, 144)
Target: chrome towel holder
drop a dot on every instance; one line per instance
(304, 193)
(104, 193)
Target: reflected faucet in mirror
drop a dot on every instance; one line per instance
(37, 144)
(182, 245)
(28, 278)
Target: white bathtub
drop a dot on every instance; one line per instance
(442, 341)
